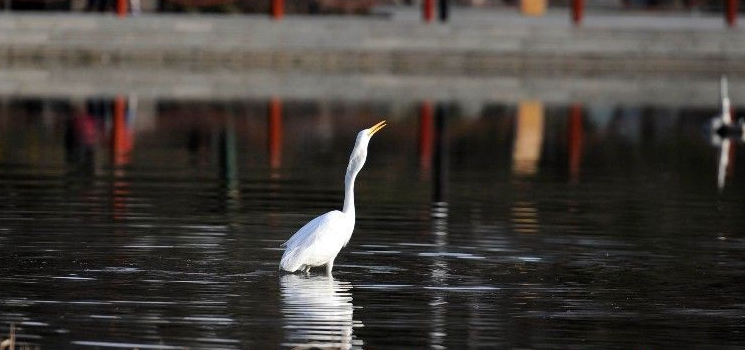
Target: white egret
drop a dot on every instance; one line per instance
(320, 240)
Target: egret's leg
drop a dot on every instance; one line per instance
(329, 267)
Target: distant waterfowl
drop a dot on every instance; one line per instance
(723, 124)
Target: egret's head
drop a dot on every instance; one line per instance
(359, 153)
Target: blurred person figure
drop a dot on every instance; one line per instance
(134, 7)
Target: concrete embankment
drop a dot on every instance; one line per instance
(472, 43)
(229, 84)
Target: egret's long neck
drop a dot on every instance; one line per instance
(349, 190)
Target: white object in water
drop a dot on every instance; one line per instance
(723, 125)
(320, 240)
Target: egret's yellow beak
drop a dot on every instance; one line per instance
(375, 128)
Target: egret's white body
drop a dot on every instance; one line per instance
(320, 240)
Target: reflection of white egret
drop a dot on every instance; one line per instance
(318, 313)
(319, 241)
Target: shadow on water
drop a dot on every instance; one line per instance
(133, 223)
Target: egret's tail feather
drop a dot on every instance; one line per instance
(290, 261)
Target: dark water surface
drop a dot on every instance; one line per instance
(524, 226)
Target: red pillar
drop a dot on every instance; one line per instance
(578, 11)
(426, 114)
(121, 8)
(428, 10)
(278, 9)
(574, 140)
(275, 133)
(731, 13)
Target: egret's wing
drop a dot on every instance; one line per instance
(308, 244)
(307, 229)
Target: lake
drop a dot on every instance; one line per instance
(131, 223)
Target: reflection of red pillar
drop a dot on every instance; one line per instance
(576, 133)
(121, 8)
(578, 11)
(426, 113)
(278, 9)
(275, 133)
(731, 14)
(121, 145)
(428, 10)
(121, 139)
